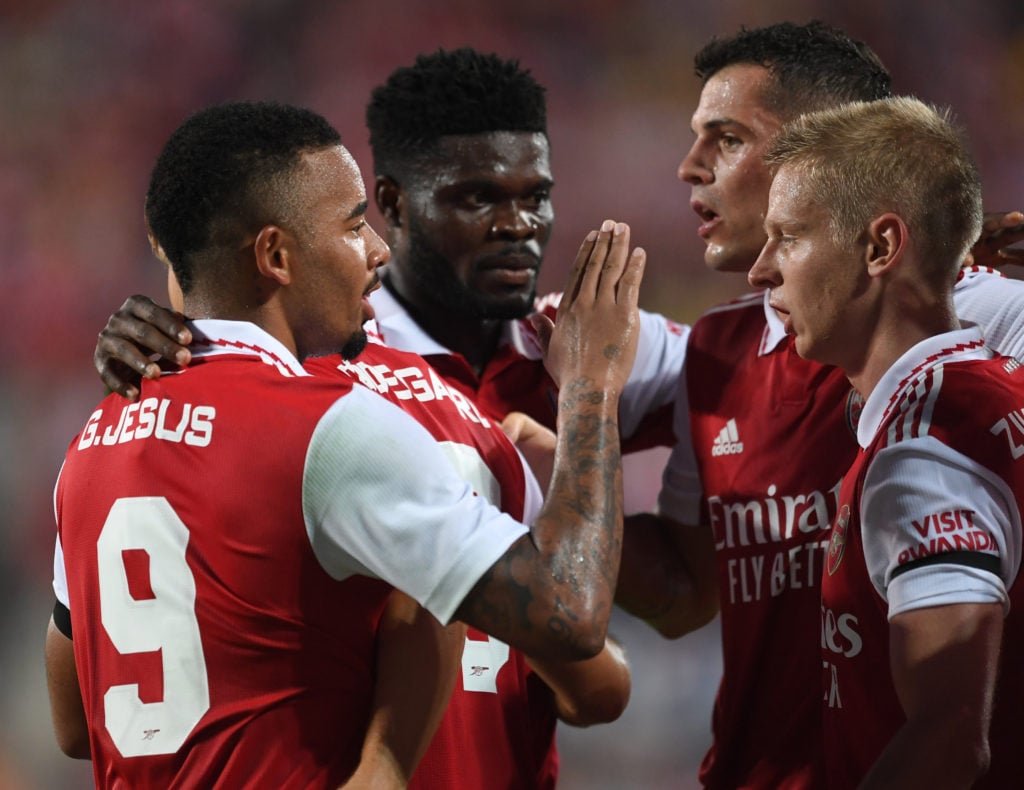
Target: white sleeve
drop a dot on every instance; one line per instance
(681, 487)
(382, 499)
(938, 528)
(60, 576)
(996, 304)
(654, 379)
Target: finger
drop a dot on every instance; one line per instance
(1010, 219)
(576, 272)
(628, 292)
(591, 275)
(1012, 254)
(543, 326)
(994, 220)
(1003, 236)
(615, 262)
(121, 379)
(149, 338)
(171, 324)
(1010, 235)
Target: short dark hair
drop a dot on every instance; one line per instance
(449, 93)
(814, 65)
(218, 176)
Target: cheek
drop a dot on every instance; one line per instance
(453, 233)
(545, 222)
(750, 178)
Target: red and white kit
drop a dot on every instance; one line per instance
(224, 539)
(929, 515)
(515, 378)
(500, 731)
(764, 439)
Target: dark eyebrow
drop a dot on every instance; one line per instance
(359, 210)
(718, 123)
(489, 185)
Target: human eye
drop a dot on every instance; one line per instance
(358, 227)
(474, 200)
(540, 197)
(729, 142)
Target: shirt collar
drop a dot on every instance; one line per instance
(216, 337)
(774, 331)
(907, 371)
(398, 330)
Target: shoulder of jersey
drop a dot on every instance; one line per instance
(744, 302)
(970, 272)
(736, 309)
(548, 303)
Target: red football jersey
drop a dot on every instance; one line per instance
(764, 439)
(770, 509)
(218, 538)
(201, 658)
(503, 734)
(498, 729)
(515, 379)
(929, 515)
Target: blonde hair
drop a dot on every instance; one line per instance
(897, 155)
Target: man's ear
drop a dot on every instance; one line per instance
(273, 255)
(389, 198)
(887, 242)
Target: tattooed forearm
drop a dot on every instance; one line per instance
(553, 589)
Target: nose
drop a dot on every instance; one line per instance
(514, 221)
(764, 273)
(694, 169)
(377, 250)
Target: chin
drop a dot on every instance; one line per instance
(509, 309)
(729, 260)
(354, 345)
(808, 350)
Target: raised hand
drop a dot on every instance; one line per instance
(597, 325)
(560, 579)
(138, 331)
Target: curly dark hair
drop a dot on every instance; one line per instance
(219, 176)
(814, 65)
(449, 93)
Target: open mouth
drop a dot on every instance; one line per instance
(368, 312)
(709, 218)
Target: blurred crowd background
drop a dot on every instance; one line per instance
(90, 90)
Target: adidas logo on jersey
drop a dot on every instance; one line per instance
(728, 441)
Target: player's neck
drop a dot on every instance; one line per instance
(895, 333)
(474, 338)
